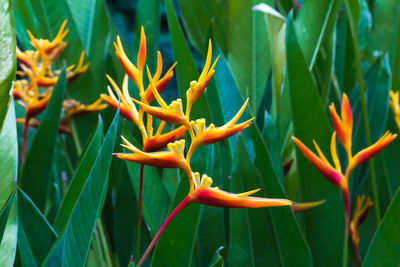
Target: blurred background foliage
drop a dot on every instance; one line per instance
(76, 205)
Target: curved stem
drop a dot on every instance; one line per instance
(186, 201)
(356, 255)
(347, 222)
(140, 204)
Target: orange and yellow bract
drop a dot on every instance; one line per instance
(343, 130)
(38, 78)
(200, 189)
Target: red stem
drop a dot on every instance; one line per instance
(186, 201)
(356, 255)
(347, 207)
(140, 204)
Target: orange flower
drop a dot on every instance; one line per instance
(197, 88)
(394, 104)
(212, 134)
(213, 196)
(343, 127)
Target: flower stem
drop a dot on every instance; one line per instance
(347, 222)
(359, 74)
(356, 255)
(186, 201)
(140, 204)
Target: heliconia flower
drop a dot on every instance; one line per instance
(212, 134)
(73, 108)
(34, 108)
(130, 69)
(173, 158)
(197, 87)
(394, 104)
(344, 126)
(203, 193)
(128, 109)
(322, 165)
(300, 207)
(160, 84)
(159, 141)
(361, 210)
(46, 45)
(213, 196)
(29, 58)
(367, 153)
(171, 114)
(141, 56)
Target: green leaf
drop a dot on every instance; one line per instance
(35, 234)
(155, 197)
(8, 245)
(8, 156)
(248, 50)
(186, 70)
(4, 214)
(276, 28)
(7, 57)
(80, 177)
(89, 204)
(383, 250)
(218, 261)
(284, 224)
(148, 15)
(252, 238)
(177, 249)
(386, 14)
(313, 24)
(196, 16)
(35, 178)
(324, 236)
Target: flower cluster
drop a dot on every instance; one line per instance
(343, 130)
(37, 79)
(201, 190)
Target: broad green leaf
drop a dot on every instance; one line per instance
(97, 32)
(196, 17)
(324, 236)
(80, 177)
(155, 197)
(148, 15)
(8, 156)
(276, 28)
(284, 224)
(176, 244)
(7, 57)
(4, 214)
(35, 234)
(80, 228)
(125, 219)
(248, 50)
(383, 250)
(35, 178)
(8, 245)
(314, 23)
(252, 238)
(186, 70)
(386, 14)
